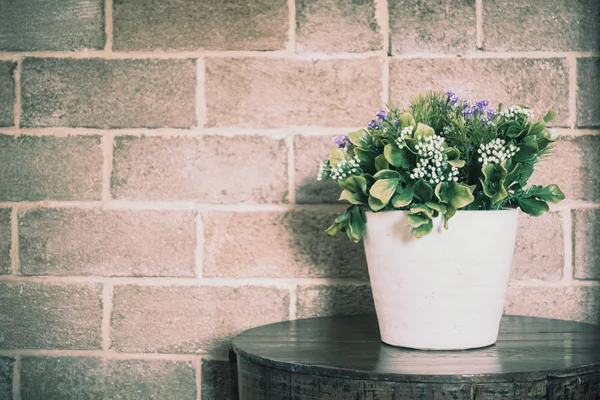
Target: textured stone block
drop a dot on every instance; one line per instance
(51, 25)
(6, 378)
(191, 25)
(539, 248)
(337, 26)
(94, 378)
(576, 303)
(322, 301)
(108, 93)
(7, 91)
(50, 316)
(107, 242)
(574, 165)
(279, 245)
(435, 26)
(541, 25)
(541, 84)
(588, 97)
(5, 238)
(266, 93)
(586, 243)
(50, 168)
(310, 151)
(181, 319)
(209, 169)
(216, 384)
(510, 390)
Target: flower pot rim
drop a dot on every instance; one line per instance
(506, 210)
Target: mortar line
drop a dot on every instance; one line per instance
(382, 15)
(291, 44)
(85, 54)
(14, 240)
(553, 284)
(109, 355)
(200, 93)
(200, 239)
(567, 225)
(283, 283)
(293, 300)
(16, 381)
(107, 154)
(17, 106)
(108, 25)
(198, 367)
(107, 295)
(385, 81)
(572, 61)
(479, 23)
(566, 132)
(291, 169)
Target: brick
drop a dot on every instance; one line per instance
(182, 319)
(100, 93)
(588, 99)
(337, 26)
(5, 238)
(7, 91)
(539, 83)
(539, 248)
(574, 165)
(310, 151)
(192, 25)
(6, 378)
(94, 378)
(216, 384)
(50, 168)
(267, 93)
(586, 243)
(107, 242)
(323, 301)
(210, 169)
(575, 303)
(435, 26)
(279, 245)
(52, 25)
(50, 316)
(541, 25)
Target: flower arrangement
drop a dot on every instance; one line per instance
(439, 155)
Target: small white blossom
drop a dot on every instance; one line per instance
(345, 168)
(496, 151)
(516, 112)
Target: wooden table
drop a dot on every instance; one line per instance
(343, 358)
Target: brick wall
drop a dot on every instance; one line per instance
(158, 162)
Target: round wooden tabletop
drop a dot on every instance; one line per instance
(533, 356)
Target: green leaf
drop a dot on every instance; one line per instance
(533, 207)
(360, 138)
(452, 153)
(423, 130)
(450, 212)
(381, 163)
(337, 155)
(422, 208)
(441, 208)
(387, 174)
(406, 119)
(457, 163)
(356, 225)
(353, 198)
(355, 184)
(416, 220)
(423, 191)
(459, 194)
(402, 198)
(493, 184)
(441, 192)
(422, 230)
(376, 204)
(411, 145)
(395, 156)
(550, 116)
(384, 189)
(525, 174)
(537, 128)
(550, 193)
(334, 228)
(365, 156)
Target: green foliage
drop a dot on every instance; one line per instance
(438, 156)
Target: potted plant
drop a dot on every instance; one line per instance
(434, 191)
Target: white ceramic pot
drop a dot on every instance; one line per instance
(446, 290)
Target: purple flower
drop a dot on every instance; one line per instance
(373, 124)
(468, 111)
(481, 105)
(382, 115)
(340, 141)
(490, 113)
(451, 97)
